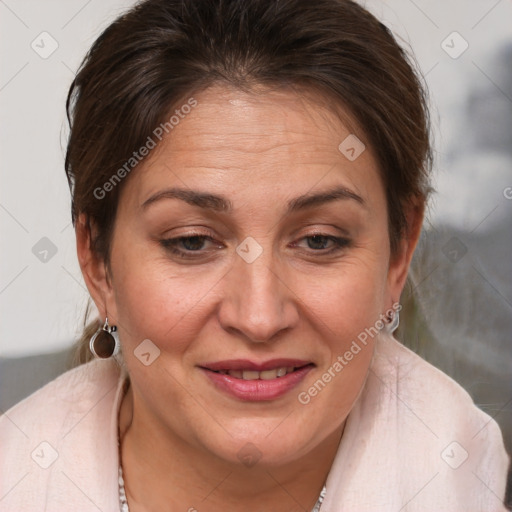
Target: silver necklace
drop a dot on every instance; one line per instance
(123, 503)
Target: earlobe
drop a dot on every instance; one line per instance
(92, 265)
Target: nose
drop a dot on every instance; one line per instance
(257, 303)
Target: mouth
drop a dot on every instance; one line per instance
(275, 373)
(251, 381)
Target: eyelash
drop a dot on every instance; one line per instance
(170, 244)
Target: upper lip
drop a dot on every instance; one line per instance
(246, 364)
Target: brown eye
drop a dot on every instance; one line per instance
(192, 246)
(325, 244)
(192, 243)
(318, 241)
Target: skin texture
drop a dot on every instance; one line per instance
(181, 436)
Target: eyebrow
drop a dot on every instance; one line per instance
(220, 203)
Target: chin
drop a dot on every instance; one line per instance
(266, 443)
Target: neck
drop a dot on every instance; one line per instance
(163, 472)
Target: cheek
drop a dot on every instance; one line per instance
(347, 320)
(155, 302)
(348, 299)
(347, 309)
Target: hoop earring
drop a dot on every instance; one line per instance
(104, 342)
(394, 322)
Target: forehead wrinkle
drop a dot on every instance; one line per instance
(253, 146)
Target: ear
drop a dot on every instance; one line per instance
(400, 262)
(94, 269)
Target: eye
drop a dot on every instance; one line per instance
(197, 245)
(190, 246)
(319, 243)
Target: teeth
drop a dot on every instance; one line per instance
(254, 375)
(250, 375)
(269, 374)
(281, 372)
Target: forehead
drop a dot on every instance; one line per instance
(253, 140)
(260, 124)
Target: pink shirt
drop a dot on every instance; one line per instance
(414, 441)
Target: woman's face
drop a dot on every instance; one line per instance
(252, 253)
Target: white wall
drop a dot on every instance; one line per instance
(42, 303)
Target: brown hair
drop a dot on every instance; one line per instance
(161, 52)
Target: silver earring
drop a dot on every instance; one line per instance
(394, 322)
(105, 342)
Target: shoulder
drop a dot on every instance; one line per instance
(467, 447)
(437, 399)
(59, 434)
(442, 398)
(414, 428)
(68, 394)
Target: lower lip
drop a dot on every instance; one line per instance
(257, 390)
